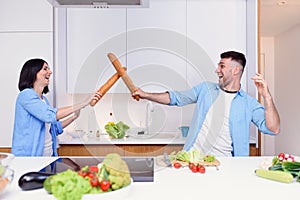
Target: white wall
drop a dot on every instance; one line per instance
(267, 69)
(25, 32)
(287, 95)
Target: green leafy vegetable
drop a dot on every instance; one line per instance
(276, 167)
(116, 131)
(111, 174)
(209, 158)
(182, 156)
(291, 167)
(193, 156)
(67, 185)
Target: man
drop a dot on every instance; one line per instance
(224, 112)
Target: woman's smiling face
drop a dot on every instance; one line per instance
(43, 76)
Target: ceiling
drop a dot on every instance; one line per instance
(275, 19)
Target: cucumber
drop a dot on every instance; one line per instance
(280, 176)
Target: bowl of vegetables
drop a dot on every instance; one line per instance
(6, 177)
(109, 179)
(6, 158)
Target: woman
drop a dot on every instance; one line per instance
(36, 123)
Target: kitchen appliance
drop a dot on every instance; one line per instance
(141, 168)
(99, 3)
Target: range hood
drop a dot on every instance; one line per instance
(99, 3)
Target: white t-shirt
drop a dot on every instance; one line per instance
(48, 151)
(214, 137)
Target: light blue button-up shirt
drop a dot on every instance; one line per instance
(31, 114)
(244, 111)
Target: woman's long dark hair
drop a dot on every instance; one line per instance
(28, 74)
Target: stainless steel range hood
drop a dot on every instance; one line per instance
(99, 3)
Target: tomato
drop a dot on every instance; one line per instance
(94, 181)
(195, 168)
(191, 165)
(104, 185)
(82, 173)
(201, 169)
(176, 165)
(91, 175)
(93, 169)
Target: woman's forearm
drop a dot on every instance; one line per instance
(68, 121)
(68, 110)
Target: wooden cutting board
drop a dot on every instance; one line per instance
(160, 162)
(216, 162)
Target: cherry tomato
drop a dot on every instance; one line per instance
(104, 185)
(201, 169)
(195, 168)
(93, 169)
(91, 175)
(176, 165)
(191, 165)
(82, 173)
(94, 181)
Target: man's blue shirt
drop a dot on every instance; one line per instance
(244, 111)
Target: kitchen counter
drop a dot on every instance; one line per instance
(234, 180)
(151, 145)
(161, 138)
(132, 145)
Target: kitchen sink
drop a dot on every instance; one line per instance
(155, 136)
(143, 133)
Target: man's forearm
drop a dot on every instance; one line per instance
(162, 98)
(272, 116)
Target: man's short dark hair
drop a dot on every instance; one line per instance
(236, 56)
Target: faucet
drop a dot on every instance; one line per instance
(149, 109)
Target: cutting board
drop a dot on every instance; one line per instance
(160, 162)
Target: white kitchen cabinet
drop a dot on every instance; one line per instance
(25, 33)
(212, 28)
(28, 15)
(91, 34)
(156, 42)
(156, 58)
(15, 50)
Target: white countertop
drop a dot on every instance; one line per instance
(161, 138)
(103, 139)
(234, 180)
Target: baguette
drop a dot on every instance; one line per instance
(122, 73)
(106, 86)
